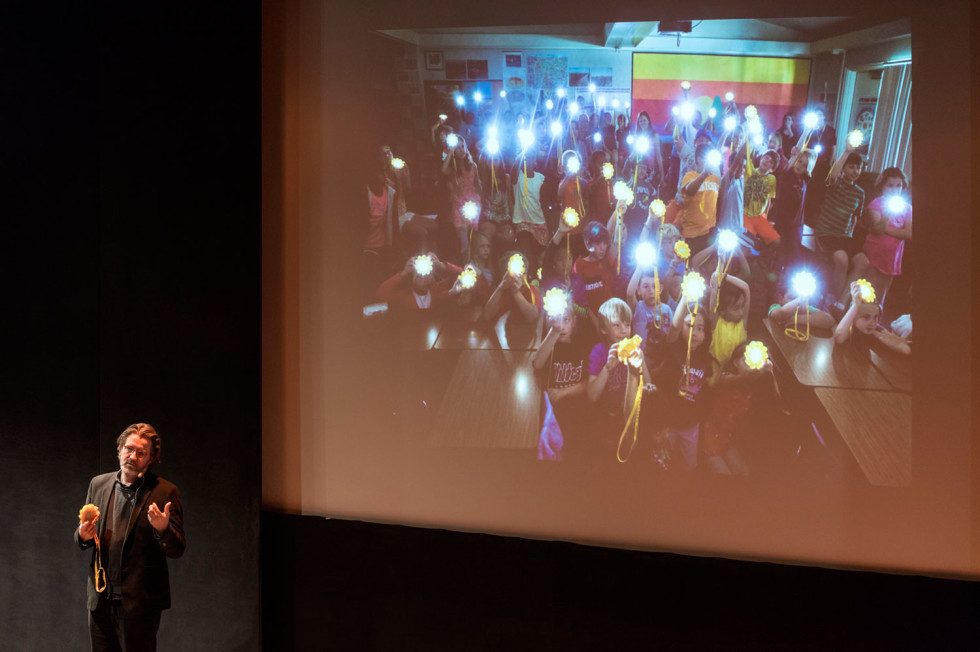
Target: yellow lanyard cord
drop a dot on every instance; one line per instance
(634, 419)
(581, 203)
(530, 291)
(687, 363)
(656, 276)
(795, 331)
(619, 240)
(97, 567)
(493, 176)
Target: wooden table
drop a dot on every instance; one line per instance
(877, 428)
(818, 363)
(895, 367)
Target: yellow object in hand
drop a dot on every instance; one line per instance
(626, 347)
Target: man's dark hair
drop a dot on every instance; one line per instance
(143, 431)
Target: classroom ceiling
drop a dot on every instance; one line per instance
(794, 36)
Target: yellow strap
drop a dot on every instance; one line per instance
(99, 572)
(633, 418)
(528, 285)
(690, 333)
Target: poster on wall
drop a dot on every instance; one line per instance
(456, 69)
(547, 71)
(477, 69)
(578, 77)
(601, 77)
(514, 77)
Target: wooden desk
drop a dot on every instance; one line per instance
(493, 400)
(877, 427)
(895, 367)
(818, 363)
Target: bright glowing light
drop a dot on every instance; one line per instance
(804, 284)
(622, 192)
(560, 92)
(615, 103)
(630, 139)
(712, 112)
(516, 265)
(548, 104)
(686, 85)
(555, 302)
(687, 111)
(492, 131)
(573, 164)
(682, 249)
(646, 255)
(467, 278)
(592, 88)
(443, 116)
(397, 163)
(601, 101)
(503, 94)
(658, 208)
(693, 286)
(729, 96)
(818, 148)
(492, 146)
(895, 205)
(811, 119)
(607, 171)
(855, 139)
(676, 110)
(570, 217)
(642, 145)
(730, 123)
(573, 108)
(756, 355)
(526, 138)
(460, 100)
(758, 140)
(626, 348)
(751, 113)
(477, 97)
(755, 126)
(471, 211)
(452, 140)
(713, 158)
(423, 265)
(556, 128)
(866, 291)
(597, 137)
(727, 240)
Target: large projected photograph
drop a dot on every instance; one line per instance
(693, 260)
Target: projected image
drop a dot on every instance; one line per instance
(691, 262)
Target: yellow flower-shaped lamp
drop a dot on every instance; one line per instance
(727, 241)
(856, 138)
(756, 355)
(751, 112)
(686, 85)
(646, 255)
(682, 250)
(452, 140)
(625, 348)
(423, 265)
(730, 123)
(658, 208)
(729, 96)
(622, 192)
(397, 163)
(555, 302)
(467, 278)
(713, 158)
(516, 265)
(810, 120)
(573, 164)
(570, 216)
(693, 286)
(607, 171)
(88, 514)
(866, 291)
(471, 211)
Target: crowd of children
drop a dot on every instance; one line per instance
(524, 204)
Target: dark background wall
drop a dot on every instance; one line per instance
(131, 276)
(130, 270)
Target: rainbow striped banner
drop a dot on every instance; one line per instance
(776, 86)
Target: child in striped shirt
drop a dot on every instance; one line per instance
(842, 206)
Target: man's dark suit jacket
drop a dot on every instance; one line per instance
(146, 582)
